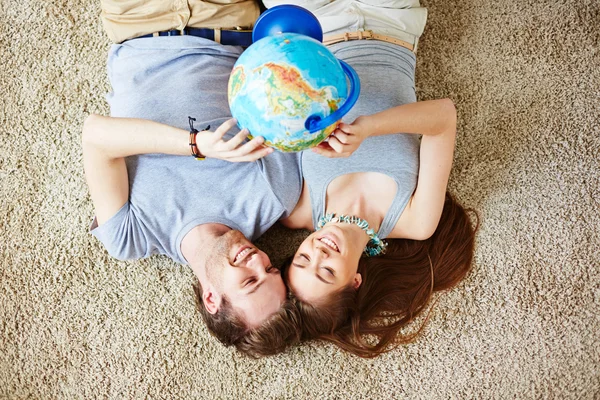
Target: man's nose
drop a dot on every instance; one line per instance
(257, 263)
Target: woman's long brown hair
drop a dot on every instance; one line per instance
(396, 288)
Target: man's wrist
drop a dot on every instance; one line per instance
(193, 142)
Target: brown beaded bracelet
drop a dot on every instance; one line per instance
(193, 146)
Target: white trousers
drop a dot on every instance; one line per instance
(402, 19)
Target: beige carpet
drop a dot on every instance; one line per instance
(525, 324)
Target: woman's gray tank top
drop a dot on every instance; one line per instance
(386, 74)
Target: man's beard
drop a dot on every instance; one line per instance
(218, 258)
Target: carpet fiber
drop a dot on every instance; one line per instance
(525, 76)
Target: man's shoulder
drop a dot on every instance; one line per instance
(121, 235)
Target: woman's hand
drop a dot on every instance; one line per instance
(211, 144)
(345, 139)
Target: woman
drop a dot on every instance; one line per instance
(347, 280)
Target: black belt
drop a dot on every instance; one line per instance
(227, 37)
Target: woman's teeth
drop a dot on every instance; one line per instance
(329, 243)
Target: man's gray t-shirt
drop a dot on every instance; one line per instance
(167, 79)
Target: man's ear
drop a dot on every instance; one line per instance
(357, 281)
(211, 300)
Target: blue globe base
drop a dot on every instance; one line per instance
(287, 18)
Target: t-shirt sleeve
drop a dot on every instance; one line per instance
(122, 235)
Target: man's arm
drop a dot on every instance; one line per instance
(107, 141)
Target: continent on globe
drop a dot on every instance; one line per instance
(279, 82)
(288, 93)
(236, 81)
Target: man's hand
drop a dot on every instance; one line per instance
(345, 139)
(211, 144)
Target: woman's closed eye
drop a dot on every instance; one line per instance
(329, 270)
(300, 260)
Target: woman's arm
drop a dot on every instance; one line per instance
(107, 141)
(436, 121)
(438, 127)
(425, 117)
(428, 118)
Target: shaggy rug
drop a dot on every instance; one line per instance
(525, 76)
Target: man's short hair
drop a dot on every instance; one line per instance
(272, 336)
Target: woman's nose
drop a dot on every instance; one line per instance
(321, 251)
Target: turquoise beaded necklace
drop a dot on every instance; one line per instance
(375, 247)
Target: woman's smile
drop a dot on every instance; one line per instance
(330, 242)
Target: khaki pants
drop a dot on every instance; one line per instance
(126, 19)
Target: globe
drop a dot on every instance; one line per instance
(279, 82)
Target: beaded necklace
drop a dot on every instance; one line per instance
(375, 247)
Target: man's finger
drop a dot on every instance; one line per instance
(225, 126)
(253, 156)
(249, 147)
(239, 138)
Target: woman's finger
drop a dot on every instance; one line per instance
(322, 151)
(325, 149)
(342, 137)
(326, 152)
(345, 127)
(335, 144)
(324, 146)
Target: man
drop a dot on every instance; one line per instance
(151, 200)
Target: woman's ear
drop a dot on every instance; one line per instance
(357, 281)
(211, 300)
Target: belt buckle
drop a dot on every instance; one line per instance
(366, 35)
(174, 32)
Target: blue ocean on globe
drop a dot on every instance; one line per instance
(281, 80)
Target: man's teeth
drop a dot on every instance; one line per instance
(243, 254)
(329, 243)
